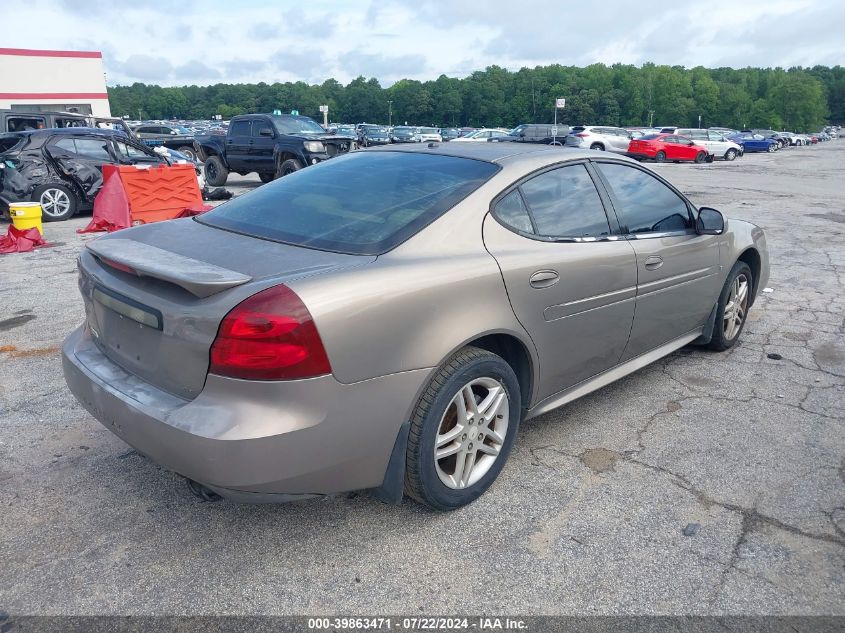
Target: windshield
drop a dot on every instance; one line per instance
(403, 130)
(429, 130)
(364, 203)
(517, 130)
(297, 125)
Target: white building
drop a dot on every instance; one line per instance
(36, 80)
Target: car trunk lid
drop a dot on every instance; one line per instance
(155, 295)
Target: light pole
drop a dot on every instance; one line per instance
(699, 121)
(389, 113)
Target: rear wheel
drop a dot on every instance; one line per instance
(701, 157)
(660, 156)
(597, 146)
(732, 310)
(58, 202)
(462, 430)
(215, 171)
(730, 154)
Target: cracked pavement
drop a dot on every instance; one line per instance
(588, 516)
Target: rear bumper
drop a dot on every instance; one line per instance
(640, 155)
(251, 440)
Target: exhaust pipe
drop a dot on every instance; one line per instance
(206, 494)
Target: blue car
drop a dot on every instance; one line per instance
(754, 142)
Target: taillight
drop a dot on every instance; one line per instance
(269, 336)
(582, 135)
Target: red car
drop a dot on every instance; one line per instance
(663, 147)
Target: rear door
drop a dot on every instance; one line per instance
(677, 269)
(238, 142)
(262, 143)
(81, 159)
(570, 278)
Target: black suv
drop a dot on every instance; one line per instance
(544, 133)
(271, 145)
(62, 169)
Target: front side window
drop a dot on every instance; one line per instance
(715, 136)
(564, 202)
(94, 148)
(129, 151)
(364, 203)
(647, 205)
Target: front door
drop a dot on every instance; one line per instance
(570, 279)
(677, 269)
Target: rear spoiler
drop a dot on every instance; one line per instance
(199, 278)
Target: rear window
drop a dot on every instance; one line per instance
(363, 204)
(8, 142)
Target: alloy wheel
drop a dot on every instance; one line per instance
(735, 307)
(54, 202)
(471, 433)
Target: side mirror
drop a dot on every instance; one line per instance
(265, 132)
(709, 222)
(690, 142)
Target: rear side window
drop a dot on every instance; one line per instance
(564, 203)
(239, 128)
(9, 142)
(363, 204)
(647, 205)
(511, 210)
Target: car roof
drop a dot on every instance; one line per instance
(70, 131)
(500, 153)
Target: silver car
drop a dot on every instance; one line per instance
(598, 137)
(387, 319)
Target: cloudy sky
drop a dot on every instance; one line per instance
(210, 41)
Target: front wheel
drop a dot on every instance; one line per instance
(732, 310)
(57, 202)
(772, 148)
(730, 154)
(701, 157)
(462, 430)
(288, 167)
(266, 177)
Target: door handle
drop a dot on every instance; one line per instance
(653, 262)
(544, 278)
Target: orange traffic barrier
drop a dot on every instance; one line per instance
(158, 193)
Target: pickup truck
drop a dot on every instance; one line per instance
(169, 136)
(271, 145)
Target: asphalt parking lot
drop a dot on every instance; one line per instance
(704, 484)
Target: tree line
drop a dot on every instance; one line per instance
(797, 99)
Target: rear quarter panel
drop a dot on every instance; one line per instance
(417, 304)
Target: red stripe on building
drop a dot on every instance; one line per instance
(31, 52)
(54, 95)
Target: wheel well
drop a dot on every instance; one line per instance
(752, 258)
(597, 144)
(514, 354)
(282, 157)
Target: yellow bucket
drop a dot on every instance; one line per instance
(26, 215)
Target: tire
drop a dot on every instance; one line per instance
(597, 146)
(58, 202)
(701, 157)
(438, 483)
(288, 167)
(772, 148)
(265, 177)
(725, 335)
(731, 154)
(188, 151)
(215, 171)
(660, 156)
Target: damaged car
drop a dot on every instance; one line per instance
(62, 169)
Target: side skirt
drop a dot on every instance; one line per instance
(611, 375)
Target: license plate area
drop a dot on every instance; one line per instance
(127, 307)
